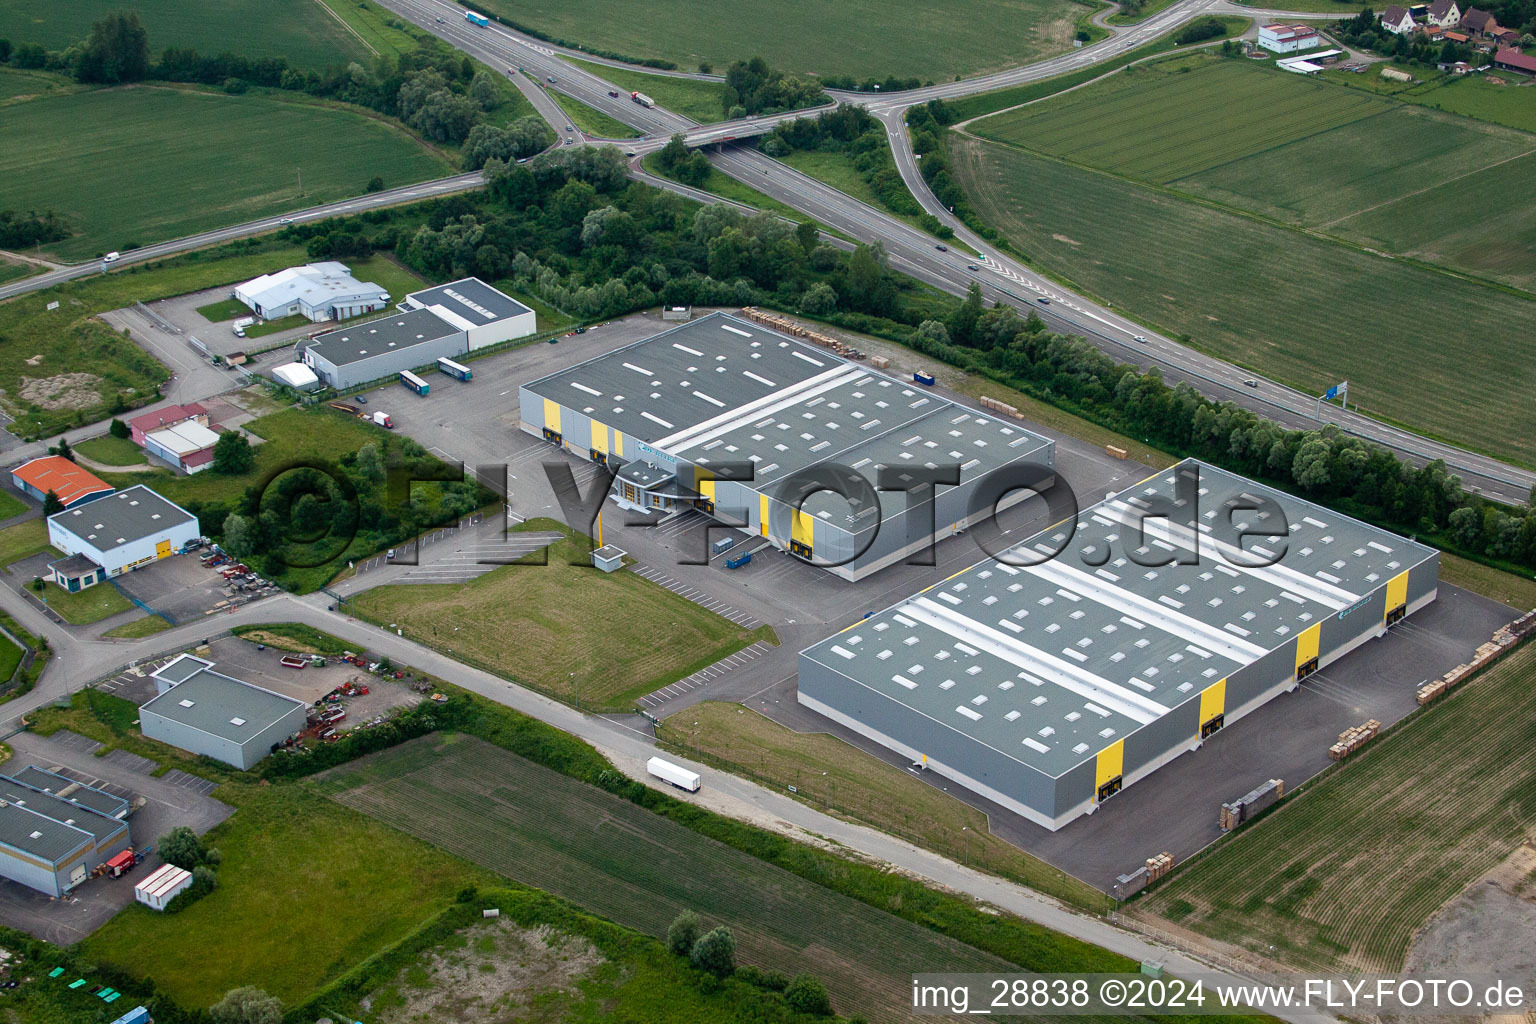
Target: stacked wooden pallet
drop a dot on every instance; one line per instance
(1000, 407)
(879, 362)
(1159, 866)
(1353, 738)
(784, 325)
(1245, 809)
(1116, 451)
(1504, 639)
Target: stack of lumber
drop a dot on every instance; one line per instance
(1159, 866)
(1238, 811)
(1353, 738)
(784, 325)
(1116, 451)
(1000, 407)
(1504, 639)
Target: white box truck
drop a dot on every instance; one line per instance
(383, 420)
(677, 775)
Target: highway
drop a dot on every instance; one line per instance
(911, 251)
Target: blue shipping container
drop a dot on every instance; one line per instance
(923, 378)
(739, 561)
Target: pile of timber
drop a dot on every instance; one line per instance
(1159, 866)
(1353, 738)
(1505, 638)
(784, 325)
(1245, 809)
(879, 362)
(1000, 407)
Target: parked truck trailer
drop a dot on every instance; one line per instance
(675, 774)
(476, 19)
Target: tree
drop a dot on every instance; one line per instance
(309, 516)
(683, 932)
(819, 299)
(962, 322)
(247, 1005)
(375, 184)
(715, 952)
(62, 449)
(120, 429)
(930, 331)
(232, 454)
(370, 464)
(116, 51)
(239, 535)
(482, 89)
(807, 235)
(181, 847)
(5, 50)
(52, 504)
(806, 994)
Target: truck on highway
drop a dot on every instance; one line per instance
(642, 99)
(674, 774)
(476, 19)
(383, 420)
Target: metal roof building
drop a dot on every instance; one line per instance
(320, 291)
(378, 348)
(486, 315)
(668, 411)
(1047, 683)
(219, 716)
(123, 531)
(54, 832)
(72, 484)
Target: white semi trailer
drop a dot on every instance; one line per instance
(677, 775)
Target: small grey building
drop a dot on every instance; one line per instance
(381, 348)
(219, 716)
(54, 832)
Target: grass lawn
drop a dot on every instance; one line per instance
(11, 505)
(292, 636)
(1346, 871)
(13, 270)
(16, 84)
(1476, 96)
(139, 628)
(22, 540)
(862, 38)
(727, 187)
(622, 862)
(282, 324)
(1517, 591)
(591, 121)
(111, 450)
(83, 607)
(301, 30)
(381, 31)
(696, 100)
(830, 774)
(837, 170)
(1211, 274)
(598, 639)
(329, 886)
(10, 657)
(187, 160)
(223, 310)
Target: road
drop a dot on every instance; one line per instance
(627, 748)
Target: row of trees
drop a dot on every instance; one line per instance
(20, 230)
(714, 953)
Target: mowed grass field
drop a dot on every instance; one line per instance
(1385, 326)
(1304, 151)
(863, 38)
(692, 97)
(625, 863)
(304, 31)
(830, 774)
(136, 165)
(307, 890)
(1345, 872)
(568, 630)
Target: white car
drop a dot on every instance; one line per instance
(1142, 338)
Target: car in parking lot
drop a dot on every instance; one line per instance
(362, 399)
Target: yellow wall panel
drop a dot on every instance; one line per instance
(707, 489)
(599, 437)
(803, 527)
(763, 514)
(1111, 762)
(1397, 590)
(551, 415)
(1307, 644)
(1213, 701)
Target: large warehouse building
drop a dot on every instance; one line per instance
(1047, 687)
(123, 531)
(54, 831)
(450, 320)
(207, 712)
(319, 291)
(667, 410)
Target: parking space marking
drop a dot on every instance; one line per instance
(197, 784)
(704, 676)
(132, 762)
(698, 597)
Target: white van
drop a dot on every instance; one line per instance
(111, 257)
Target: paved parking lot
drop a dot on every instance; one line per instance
(166, 804)
(705, 676)
(241, 659)
(182, 589)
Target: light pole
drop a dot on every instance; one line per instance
(965, 830)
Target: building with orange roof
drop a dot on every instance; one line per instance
(74, 485)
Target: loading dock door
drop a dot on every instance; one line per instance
(1306, 650)
(1397, 598)
(163, 549)
(1108, 771)
(1213, 708)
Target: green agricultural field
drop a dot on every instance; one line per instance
(1158, 122)
(828, 773)
(1475, 96)
(598, 639)
(691, 97)
(304, 31)
(16, 85)
(329, 888)
(1344, 873)
(862, 38)
(1213, 274)
(132, 166)
(622, 862)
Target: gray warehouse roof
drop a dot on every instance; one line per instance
(122, 518)
(68, 789)
(215, 703)
(1050, 663)
(386, 334)
(471, 298)
(46, 826)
